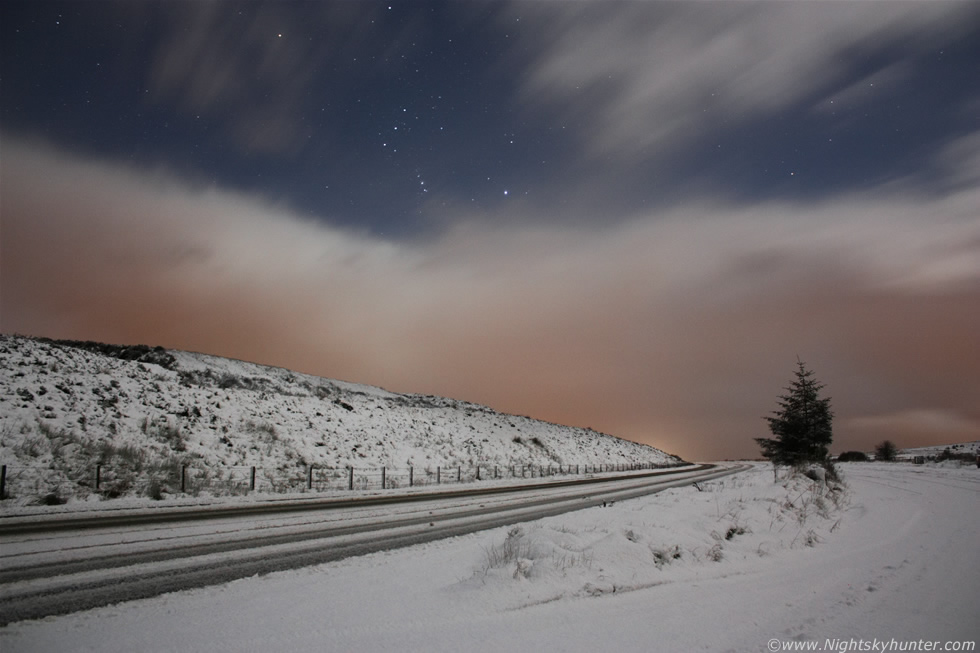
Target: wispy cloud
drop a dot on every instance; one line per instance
(677, 328)
(251, 65)
(647, 77)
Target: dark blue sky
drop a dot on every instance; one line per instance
(633, 216)
(383, 116)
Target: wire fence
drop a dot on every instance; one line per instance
(114, 481)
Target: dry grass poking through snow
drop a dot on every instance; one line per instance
(723, 526)
(140, 415)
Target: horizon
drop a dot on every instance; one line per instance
(628, 216)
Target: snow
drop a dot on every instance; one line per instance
(972, 448)
(58, 547)
(65, 408)
(725, 568)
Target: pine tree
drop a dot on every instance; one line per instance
(802, 426)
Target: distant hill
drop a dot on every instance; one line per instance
(143, 413)
(968, 448)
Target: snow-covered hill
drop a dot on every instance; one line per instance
(962, 448)
(144, 413)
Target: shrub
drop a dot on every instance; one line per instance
(666, 556)
(715, 553)
(733, 531)
(810, 538)
(514, 548)
(31, 447)
(53, 499)
(963, 457)
(171, 435)
(886, 450)
(154, 490)
(852, 457)
(832, 474)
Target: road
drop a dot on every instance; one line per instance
(58, 565)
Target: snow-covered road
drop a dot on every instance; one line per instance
(47, 572)
(737, 566)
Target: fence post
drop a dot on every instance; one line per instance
(495, 472)
(309, 477)
(438, 474)
(350, 477)
(411, 476)
(251, 480)
(478, 472)
(459, 474)
(382, 477)
(3, 482)
(98, 476)
(183, 478)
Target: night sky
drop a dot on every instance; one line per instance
(633, 216)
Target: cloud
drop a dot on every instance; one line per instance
(642, 79)
(251, 65)
(678, 328)
(924, 427)
(861, 92)
(959, 162)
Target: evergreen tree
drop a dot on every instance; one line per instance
(802, 427)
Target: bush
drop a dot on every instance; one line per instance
(831, 472)
(53, 499)
(662, 557)
(715, 553)
(516, 547)
(853, 457)
(733, 531)
(963, 457)
(154, 490)
(886, 450)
